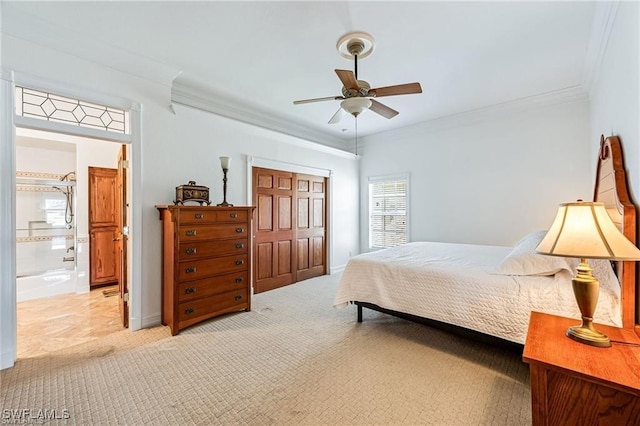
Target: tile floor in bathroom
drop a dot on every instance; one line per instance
(52, 323)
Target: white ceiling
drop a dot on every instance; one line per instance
(264, 55)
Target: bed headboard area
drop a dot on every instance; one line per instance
(611, 189)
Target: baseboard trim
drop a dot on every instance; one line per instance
(337, 269)
(151, 321)
(7, 359)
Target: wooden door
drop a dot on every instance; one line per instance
(103, 225)
(290, 228)
(274, 229)
(121, 235)
(310, 226)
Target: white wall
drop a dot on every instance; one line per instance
(615, 92)
(486, 177)
(186, 146)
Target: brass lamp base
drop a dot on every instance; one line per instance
(586, 289)
(588, 336)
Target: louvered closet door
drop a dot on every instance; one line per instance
(274, 253)
(310, 226)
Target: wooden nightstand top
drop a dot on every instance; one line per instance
(616, 367)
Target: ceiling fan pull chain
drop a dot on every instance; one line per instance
(356, 117)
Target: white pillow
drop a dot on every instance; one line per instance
(523, 259)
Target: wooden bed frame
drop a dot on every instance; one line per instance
(610, 189)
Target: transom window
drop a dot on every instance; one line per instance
(388, 201)
(51, 107)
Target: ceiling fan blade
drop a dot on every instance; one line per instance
(337, 116)
(382, 109)
(348, 79)
(308, 101)
(400, 89)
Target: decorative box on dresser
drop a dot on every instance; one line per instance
(576, 384)
(206, 263)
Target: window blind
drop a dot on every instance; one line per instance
(387, 212)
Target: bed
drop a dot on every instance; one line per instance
(490, 291)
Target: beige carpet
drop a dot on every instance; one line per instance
(293, 360)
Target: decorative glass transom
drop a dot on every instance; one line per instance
(48, 106)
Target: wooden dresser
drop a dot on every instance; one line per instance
(206, 263)
(577, 384)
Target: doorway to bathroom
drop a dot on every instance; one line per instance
(56, 255)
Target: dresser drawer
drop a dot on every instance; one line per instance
(231, 215)
(225, 302)
(196, 216)
(205, 287)
(213, 231)
(195, 269)
(199, 249)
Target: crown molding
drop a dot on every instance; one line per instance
(6, 74)
(203, 99)
(601, 27)
(35, 30)
(568, 95)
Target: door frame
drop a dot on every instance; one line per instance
(8, 124)
(267, 163)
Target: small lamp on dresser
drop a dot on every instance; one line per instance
(585, 230)
(225, 162)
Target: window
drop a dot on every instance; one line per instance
(388, 211)
(48, 106)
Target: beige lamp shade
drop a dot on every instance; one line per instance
(225, 162)
(585, 230)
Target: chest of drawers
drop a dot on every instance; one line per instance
(206, 263)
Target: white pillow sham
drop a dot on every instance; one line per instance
(523, 259)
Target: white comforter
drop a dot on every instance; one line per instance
(454, 283)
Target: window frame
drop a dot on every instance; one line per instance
(372, 180)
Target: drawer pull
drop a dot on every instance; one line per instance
(239, 297)
(191, 250)
(190, 290)
(189, 311)
(239, 245)
(239, 262)
(191, 232)
(239, 280)
(233, 215)
(199, 216)
(239, 230)
(190, 269)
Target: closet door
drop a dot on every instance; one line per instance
(274, 229)
(103, 226)
(310, 226)
(290, 228)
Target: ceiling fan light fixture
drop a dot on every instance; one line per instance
(355, 106)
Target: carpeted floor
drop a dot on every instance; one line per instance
(293, 359)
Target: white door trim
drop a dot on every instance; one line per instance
(8, 321)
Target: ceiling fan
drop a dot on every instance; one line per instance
(357, 95)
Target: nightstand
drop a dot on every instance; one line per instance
(577, 384)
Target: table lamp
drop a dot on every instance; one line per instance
(225, 162)
(585, 230)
